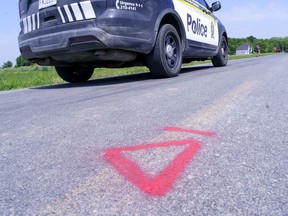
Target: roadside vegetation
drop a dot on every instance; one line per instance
(27, 76)
(31, 76)
(275, 44)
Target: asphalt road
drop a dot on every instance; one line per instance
(213, 141)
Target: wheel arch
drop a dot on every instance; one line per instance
(226, 36)
(169, 16)
(222, 34)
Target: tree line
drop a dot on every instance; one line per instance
(20, 62)
(276, 44)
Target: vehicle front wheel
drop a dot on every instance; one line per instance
(75, 74)
(166, 58)
(221, 58)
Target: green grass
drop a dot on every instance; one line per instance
(26, 77)
(235, 57)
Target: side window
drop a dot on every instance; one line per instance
(202, 2)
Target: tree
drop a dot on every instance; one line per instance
(20, 61)
(251, 40)
(7, 64)
(266, 45)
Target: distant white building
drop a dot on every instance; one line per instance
(244, 49)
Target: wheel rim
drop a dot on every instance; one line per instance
(171, 50)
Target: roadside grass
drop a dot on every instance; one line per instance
(27, 77)
(235, 57)
(33, 76)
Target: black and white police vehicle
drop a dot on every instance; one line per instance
(77, 36)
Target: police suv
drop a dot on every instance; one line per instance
(76, 36)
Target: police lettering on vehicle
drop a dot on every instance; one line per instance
(200, 26)
(196, 26)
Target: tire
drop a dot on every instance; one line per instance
(75, 74)
(221, 58)
(165, 60)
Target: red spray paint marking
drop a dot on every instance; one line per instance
(161, 183)
(176, 129)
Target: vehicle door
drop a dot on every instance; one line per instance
(200, 25)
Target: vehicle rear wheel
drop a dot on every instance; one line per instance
(75, 74)
(221, 58)
(166, 58)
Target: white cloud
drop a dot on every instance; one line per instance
(252, 12)
(262, 19)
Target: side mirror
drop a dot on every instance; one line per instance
(216, 6)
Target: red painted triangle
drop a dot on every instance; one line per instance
(160, 184)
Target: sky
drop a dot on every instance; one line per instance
(259, 18)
